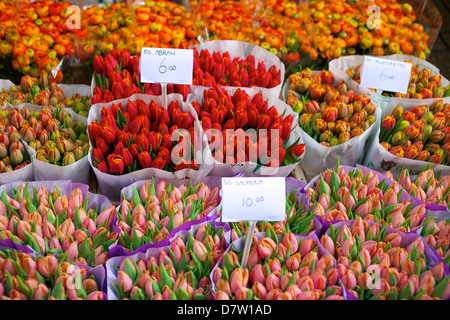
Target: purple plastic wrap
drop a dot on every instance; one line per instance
(431, 255)
(144, 254)
(127, 192)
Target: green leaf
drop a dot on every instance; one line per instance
(406, 292)
(182, 294)
(439, 289)
(135, 241)
(165, 278)
(99, 239)
(57, 291)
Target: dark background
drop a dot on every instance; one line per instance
(440, 53)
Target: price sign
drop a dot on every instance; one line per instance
(384, 74)
(251, 199)
(164, 65)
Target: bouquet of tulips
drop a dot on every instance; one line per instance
(238, 64)
(346, 193)
(138, 135)
(220, 68)
(177, 271)
(426, 186)
(437, 235)
(57, 135)
(375, 262)
(13, 154)
(335, 122)
(242, 128)
(149, 212)
(27, 276)
(329, 113)
(42, 92)
(420, 133)
(54, 222)
(117, 76)
(279, 267)
(423, 84)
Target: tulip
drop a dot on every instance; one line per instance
(238, 278)
(266, 247)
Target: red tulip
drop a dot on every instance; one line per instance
(127, 157)
(99, 63)
(158, 163)
(145, 160)
(116, 164)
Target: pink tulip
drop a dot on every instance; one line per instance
(22, 227)
(238, 278)
(325, 262)
(289, 241)
(305, 283)
(75, 201)
(272, 282)
(327, 242)
(200, 250)
(124, 280)
(95, 295)
(349, 280)
(266, 247)
(292, 263)
(65, 229)
(257, 274)
(259, 290)
(306, 246)
(364, 209)
(107, 215)
(332, 276)
(220, 295)
(61, 204)
(347, 247)
(324, 201)
(242, 293)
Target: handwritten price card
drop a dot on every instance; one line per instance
(252, 199)
(164, 65)
(384, 74)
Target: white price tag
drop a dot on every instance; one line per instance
(384, 74)
(165, 65)
(253, 199)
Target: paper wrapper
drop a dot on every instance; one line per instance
(145, 254)
(242, 49)
(111, 185)
(431, 255)
(127, 192)
(339, 67)
(251, 169)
